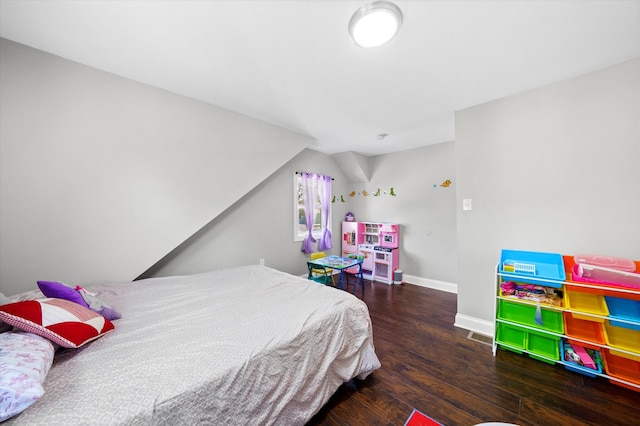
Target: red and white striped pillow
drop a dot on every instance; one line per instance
(66, 323)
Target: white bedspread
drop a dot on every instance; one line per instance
(239, 346)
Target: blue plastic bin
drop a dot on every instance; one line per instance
(625, 309)
(533, 267)
(577, 368)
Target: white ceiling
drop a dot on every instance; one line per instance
(292, 63)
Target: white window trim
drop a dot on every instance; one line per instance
(297, 236)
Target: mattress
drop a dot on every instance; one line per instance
(245, 345)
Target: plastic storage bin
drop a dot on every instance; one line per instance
(586, 302)
(576, 283)
(622, 337)
(543, 347)
(533, 267)
(512, 337)
(625, 309)
(526, 314)
(622, 367)
(618, 263)
(532, 293)
(579, 328)
(612, 277)
(570, 363)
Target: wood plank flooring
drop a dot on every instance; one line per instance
(431, 365)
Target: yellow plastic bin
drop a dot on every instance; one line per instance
(621, 337)
(587, 303)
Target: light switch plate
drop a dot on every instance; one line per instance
(466, 204)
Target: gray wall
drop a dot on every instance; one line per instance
(554, 169)
(424, 208)
(100, 176)
(106, 179)
(258, 226)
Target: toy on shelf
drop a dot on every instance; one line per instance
(535, 293)
(583, 272)
(619, 263)
(584, 357)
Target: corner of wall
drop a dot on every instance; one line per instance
(477, 325)
(354, 166)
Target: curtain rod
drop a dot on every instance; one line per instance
(299, 173)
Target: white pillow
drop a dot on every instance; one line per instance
(25, 360)
(3, 325)
(4, 299)
(28, 295)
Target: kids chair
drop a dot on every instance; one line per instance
(325, 274)
(356, 273)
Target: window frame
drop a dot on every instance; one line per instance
(298, 234)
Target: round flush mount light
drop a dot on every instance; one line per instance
(375, 24)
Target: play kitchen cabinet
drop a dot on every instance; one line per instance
(377, 243)
(560, 309)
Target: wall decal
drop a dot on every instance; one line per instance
(446, 184)
(379, 192)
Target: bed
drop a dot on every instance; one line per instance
(245, 345)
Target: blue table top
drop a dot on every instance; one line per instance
(335, 262)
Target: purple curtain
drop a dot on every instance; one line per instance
(310, 194)
(325, 205)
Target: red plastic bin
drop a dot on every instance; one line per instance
(622, 366)
(578, 328)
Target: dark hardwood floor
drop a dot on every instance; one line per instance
(431, 365)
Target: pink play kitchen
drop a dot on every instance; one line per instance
(378, 243)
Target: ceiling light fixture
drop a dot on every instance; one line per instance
(375, 24)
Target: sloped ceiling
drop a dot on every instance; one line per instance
(291, 63)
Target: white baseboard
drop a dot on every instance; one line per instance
(477, 325)
(434, 284)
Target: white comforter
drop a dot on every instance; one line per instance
(239, 346)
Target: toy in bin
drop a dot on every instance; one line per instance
(584, 357)
(511, 266)
(535, 293)
(618, 263)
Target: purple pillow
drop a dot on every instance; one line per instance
(61, 291)
(97, 305)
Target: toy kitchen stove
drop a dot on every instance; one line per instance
(377, 243)
(385, 260)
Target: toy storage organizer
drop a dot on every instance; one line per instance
(545, 310)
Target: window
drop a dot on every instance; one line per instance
(300, 223)
(321, 192)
